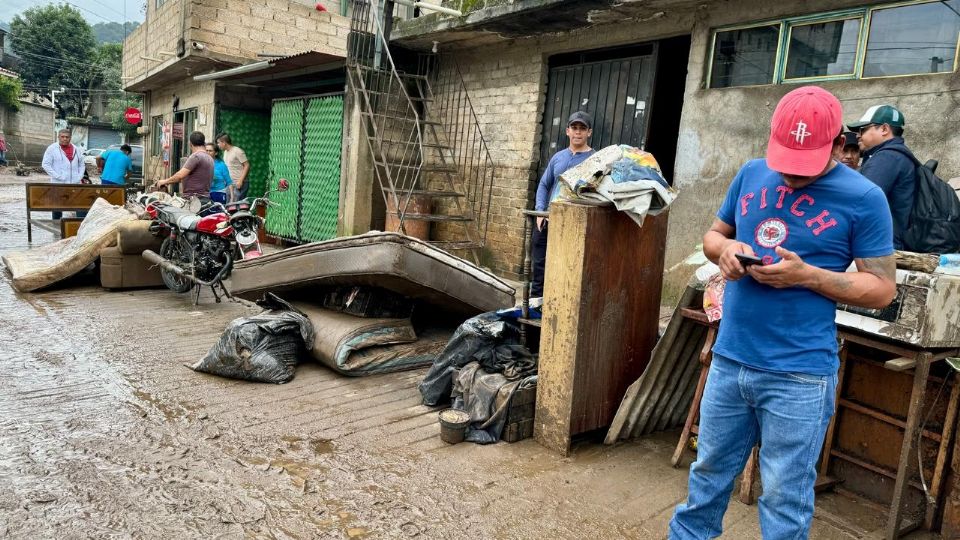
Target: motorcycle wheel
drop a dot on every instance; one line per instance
(181, 255)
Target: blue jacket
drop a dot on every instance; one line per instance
(896, 175)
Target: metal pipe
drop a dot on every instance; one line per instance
(168, 265)
(431, 7)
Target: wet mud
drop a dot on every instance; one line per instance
(105, 433)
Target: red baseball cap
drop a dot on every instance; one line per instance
(802, 130)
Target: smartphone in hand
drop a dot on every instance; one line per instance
(748, 260)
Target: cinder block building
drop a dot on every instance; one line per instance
(694, 82)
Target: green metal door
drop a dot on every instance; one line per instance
(286, 145)
(249, 130)
(323, 132)
(305, 138)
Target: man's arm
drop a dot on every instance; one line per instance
(721, 248)
(873, 285)
(175, 179)
(882, 169)
(100, 162)
(47, 164)
(243, 174)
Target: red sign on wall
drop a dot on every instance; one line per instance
(133, 115)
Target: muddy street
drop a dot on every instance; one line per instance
(105, 433)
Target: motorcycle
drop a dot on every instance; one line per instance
(199, 248)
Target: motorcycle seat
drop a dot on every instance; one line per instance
(184, 219)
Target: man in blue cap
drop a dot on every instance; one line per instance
(579, 130)
(886, 162)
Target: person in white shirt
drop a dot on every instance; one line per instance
(63, 162)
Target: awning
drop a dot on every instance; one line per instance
(267, 71)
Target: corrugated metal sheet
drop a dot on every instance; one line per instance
(286, 133)
(661, 397)
(323, 133)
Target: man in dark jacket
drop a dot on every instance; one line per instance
(880, 132)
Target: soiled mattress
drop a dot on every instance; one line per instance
(360, 346)
(43, 266)
(391, 261)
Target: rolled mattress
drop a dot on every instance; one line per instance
(391, 261)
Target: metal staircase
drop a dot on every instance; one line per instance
(422, 133)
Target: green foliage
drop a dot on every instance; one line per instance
(57, 47)
(112, 32)
(116, 107)
(10, 90)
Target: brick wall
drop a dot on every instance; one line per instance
(234, 31)
(245, 28)
(28, 132)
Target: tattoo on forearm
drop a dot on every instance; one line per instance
(882, 267)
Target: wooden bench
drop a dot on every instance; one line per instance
(50, 197)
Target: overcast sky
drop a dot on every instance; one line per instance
(93, 10)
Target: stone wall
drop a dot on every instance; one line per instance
(28, 132)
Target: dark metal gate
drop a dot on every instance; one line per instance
(617, 92)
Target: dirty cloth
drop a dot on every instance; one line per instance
(261, 348)
(43, 266)
(486, 397)
(363, 346)
(626, 176)
(475, 335)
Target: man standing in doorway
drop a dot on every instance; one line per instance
(197, 172)
(579, 130)
(116, 165)
(774, 370)
(63, 162)
(237, 163)
(886, 163)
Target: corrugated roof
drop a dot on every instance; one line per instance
(8, 73)
(312, 61)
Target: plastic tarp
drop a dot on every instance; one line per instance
(43, 266)
(261, 348)
(486, 397)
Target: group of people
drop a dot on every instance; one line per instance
(208, 174)
(806, 211)
(218, 171)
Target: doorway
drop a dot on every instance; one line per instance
(635, 95)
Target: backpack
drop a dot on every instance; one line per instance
(935, 217)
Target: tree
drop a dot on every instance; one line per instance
(57, 48)
(116, 108)
(112, 32)
(10, 90)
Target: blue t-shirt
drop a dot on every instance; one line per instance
(839, 217)
(221, 176)
(115, 167)
(560, 163)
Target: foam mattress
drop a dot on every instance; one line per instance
(392, 261)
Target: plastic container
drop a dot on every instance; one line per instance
(949, 264)
(453, 425)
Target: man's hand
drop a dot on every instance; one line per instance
(791, 271)
(540, 222)
(729, 265)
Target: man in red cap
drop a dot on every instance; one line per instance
(774, 370)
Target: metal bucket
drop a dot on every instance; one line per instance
(453, 425)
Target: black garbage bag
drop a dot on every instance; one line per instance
(476, 337)
(261, 348)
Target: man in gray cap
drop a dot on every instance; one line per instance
(579, 130)
(887, 162)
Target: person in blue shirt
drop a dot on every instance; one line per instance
(116, 165)
(222, 188)
(579, 130)
(886, 163)
(773, 375)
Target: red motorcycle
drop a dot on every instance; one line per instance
(199, 248)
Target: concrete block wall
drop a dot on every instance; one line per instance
(28, 132)
(199, 95)
(159, 32)
(246, 28)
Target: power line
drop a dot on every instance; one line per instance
(89, 11)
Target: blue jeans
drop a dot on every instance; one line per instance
(788, 413)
